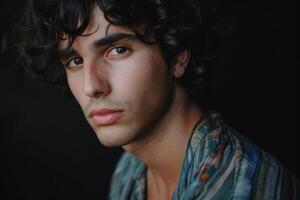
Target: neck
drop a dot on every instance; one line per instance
(163, 150)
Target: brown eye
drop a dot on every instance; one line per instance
(78, 61)
(120, 50)
(74, 62)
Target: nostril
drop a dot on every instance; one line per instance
(97, 94)
(92, 91)
(95, 88)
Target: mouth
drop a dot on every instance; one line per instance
(102, 117)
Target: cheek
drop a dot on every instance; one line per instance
(144, 81)
(76, 87)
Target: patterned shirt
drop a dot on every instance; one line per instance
(219, 164)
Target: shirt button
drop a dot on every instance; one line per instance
(204, 177)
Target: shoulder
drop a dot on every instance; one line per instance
(220, 162)
(263, 175)
(238, 168)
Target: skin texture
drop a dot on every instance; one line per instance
(136, 81)
(157, 116)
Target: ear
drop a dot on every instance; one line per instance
(180, 63)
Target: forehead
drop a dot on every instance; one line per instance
(98, 27)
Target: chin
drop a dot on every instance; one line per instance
(114, 136)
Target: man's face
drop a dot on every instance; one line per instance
(123, 86)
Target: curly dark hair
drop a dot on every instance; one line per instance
(175, 24)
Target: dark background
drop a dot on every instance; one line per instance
(48, 151)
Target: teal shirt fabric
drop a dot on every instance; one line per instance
(219, 164)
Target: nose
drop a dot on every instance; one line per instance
(96, 81)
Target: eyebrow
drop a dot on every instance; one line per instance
(107, 40)
(112, 38)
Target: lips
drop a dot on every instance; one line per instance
(105, 116)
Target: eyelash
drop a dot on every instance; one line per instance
(73, 59)
(120, 46)
(127, 50)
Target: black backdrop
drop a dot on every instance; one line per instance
(47, 150)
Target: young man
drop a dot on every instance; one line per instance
(136, 68)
